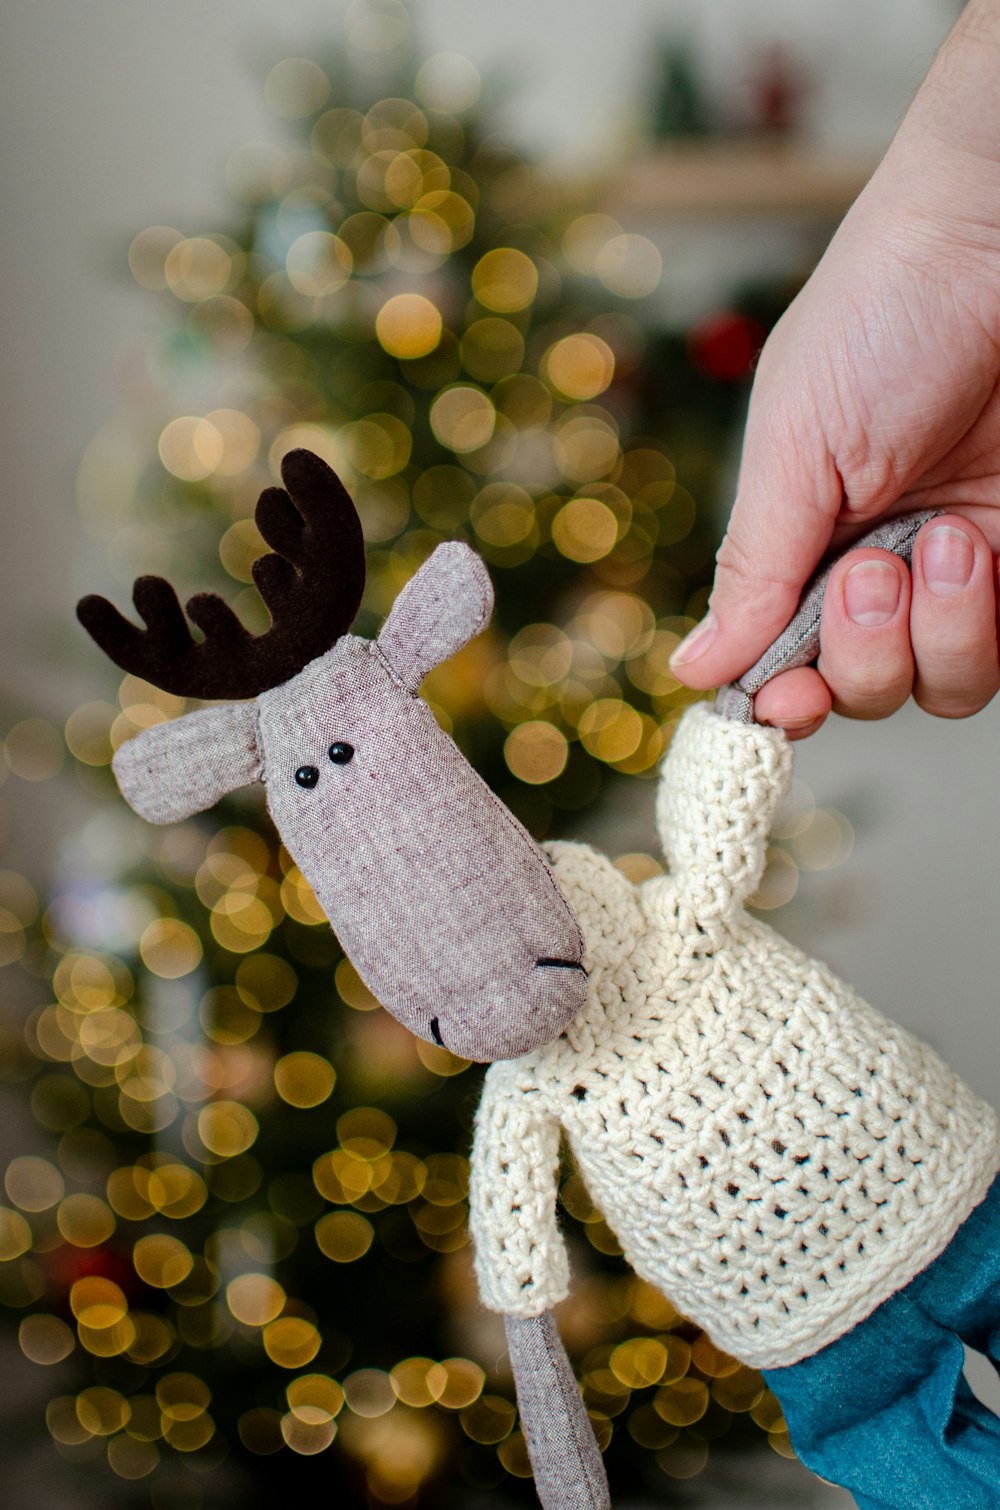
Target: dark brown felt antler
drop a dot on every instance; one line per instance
(312, 587)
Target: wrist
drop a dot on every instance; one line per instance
(957, 104)
(941, 175)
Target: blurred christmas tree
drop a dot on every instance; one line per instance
(248, 1244)
(680, 107)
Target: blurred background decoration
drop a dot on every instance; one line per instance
(233, 1243)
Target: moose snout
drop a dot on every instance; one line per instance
(528, 1010)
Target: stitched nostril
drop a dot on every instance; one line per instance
(436, 1032)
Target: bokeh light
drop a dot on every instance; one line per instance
(579, 366)
(303, 1079)
(462, 418)
(408, 326)
(45, 1339)
(344, 1236)
(505, 280)
(227, 1128)
(249, 1170)
(291, 1342)
(255, 1299)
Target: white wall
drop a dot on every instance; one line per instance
(119, 113)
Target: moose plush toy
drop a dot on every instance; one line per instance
(803, 1178)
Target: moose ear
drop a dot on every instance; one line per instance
(440, 609)
(173, 770)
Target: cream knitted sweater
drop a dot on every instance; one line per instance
(772, 1153)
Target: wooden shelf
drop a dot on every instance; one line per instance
(706, 179)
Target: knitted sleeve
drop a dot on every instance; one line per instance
(520, 1257)
(721, 785)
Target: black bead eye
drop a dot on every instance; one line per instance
(340, 753)
(307, 775)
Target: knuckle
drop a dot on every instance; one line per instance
(733, 557)
(870, 704)
(871, 474)
(867, 692)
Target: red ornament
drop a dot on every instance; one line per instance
(66, 1264)
(779, 87)
(725, 346)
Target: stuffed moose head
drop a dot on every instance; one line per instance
(442, 901)
(772, 1153)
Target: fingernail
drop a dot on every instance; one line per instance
(871, 593)
(696, 643)
(799, 723)
(948, 557)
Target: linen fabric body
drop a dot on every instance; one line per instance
(773, 1154)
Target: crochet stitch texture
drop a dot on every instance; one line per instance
(772, 1153)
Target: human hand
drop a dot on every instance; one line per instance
(877, 394)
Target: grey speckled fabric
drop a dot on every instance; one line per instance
(441, 608)
(798, 645)
(569, 1470)
(172, 770)
(445, 904)
(443, 901)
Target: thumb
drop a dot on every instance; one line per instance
(787, 502)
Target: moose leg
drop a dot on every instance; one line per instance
(569, 1471)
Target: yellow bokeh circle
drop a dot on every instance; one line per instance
(536, 752)
(227, 1128)
(314, 1397)
(191, 447)
(132, 1459)
(102, 1411)
(307, 1437)
(505, 280)
(303, 1079)
(33, 1183)
(255, 1299)
(369, 1393)
(97, 1302)
(318, 263)
(584, 530)
(579, 366)
(682, 1403)
(197, 268)
(610, 729)
(182, 1397)
(85, 1220)
(15, 1234)
(291, 1342)
(639, 1362)
(189, 1436)
(408, 326)
(344, 1236)
(162, 1261)
(169, 948)
(34, 750)
(462, 418)
(45, 1339)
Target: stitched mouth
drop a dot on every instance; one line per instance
(559, 964)
(436, 1032)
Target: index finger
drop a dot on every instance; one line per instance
(787, 503)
